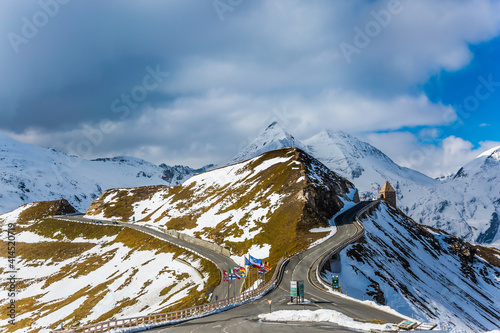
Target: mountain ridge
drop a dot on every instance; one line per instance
(466, 208)
(29, 173)
(269, 202)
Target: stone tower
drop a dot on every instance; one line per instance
(388, 194)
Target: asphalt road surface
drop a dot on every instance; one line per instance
(245, 318)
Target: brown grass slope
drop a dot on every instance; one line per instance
(80, 263)
(43, 209)
(310, 195)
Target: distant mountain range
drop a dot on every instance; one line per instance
(466, 205)
(29, 173)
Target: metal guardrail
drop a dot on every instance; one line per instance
(193, 240)
(185, 314)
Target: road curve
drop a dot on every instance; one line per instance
(244, 318)
(221, 261)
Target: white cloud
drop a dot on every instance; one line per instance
(441, 157)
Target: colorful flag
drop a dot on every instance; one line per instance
(242, 272)
(224, 276)
(255, 262)
(247, 262)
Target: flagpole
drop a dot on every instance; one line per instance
(253, 284)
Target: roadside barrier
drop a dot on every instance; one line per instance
(360, 232)
(173, 317)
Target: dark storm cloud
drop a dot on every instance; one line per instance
(229, 72)
(90, 53)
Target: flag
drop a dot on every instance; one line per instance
(224, 276)
(247, 262)
(292, 137)
(243, 269)
(261, 271)
(255, 262)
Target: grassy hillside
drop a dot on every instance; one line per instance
(271, 201)
(84, 273)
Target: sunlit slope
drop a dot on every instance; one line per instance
(83, 273)
(272, 201)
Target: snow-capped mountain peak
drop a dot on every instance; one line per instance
(272, 138)
(493, 152)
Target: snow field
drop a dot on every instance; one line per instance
(330, 316)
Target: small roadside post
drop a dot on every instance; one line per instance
(293, 290)
(301, 290)
(335, 282)
(269, 301)
(297, 290)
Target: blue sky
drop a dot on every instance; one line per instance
(192, 82)
(478, 121)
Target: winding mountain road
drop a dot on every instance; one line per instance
(300, 267)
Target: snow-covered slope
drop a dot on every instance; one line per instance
(467, 204)
(271, 201)
(422, 271)
(272, 138)
(73, 273)
(366, 166)
(30, 173)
